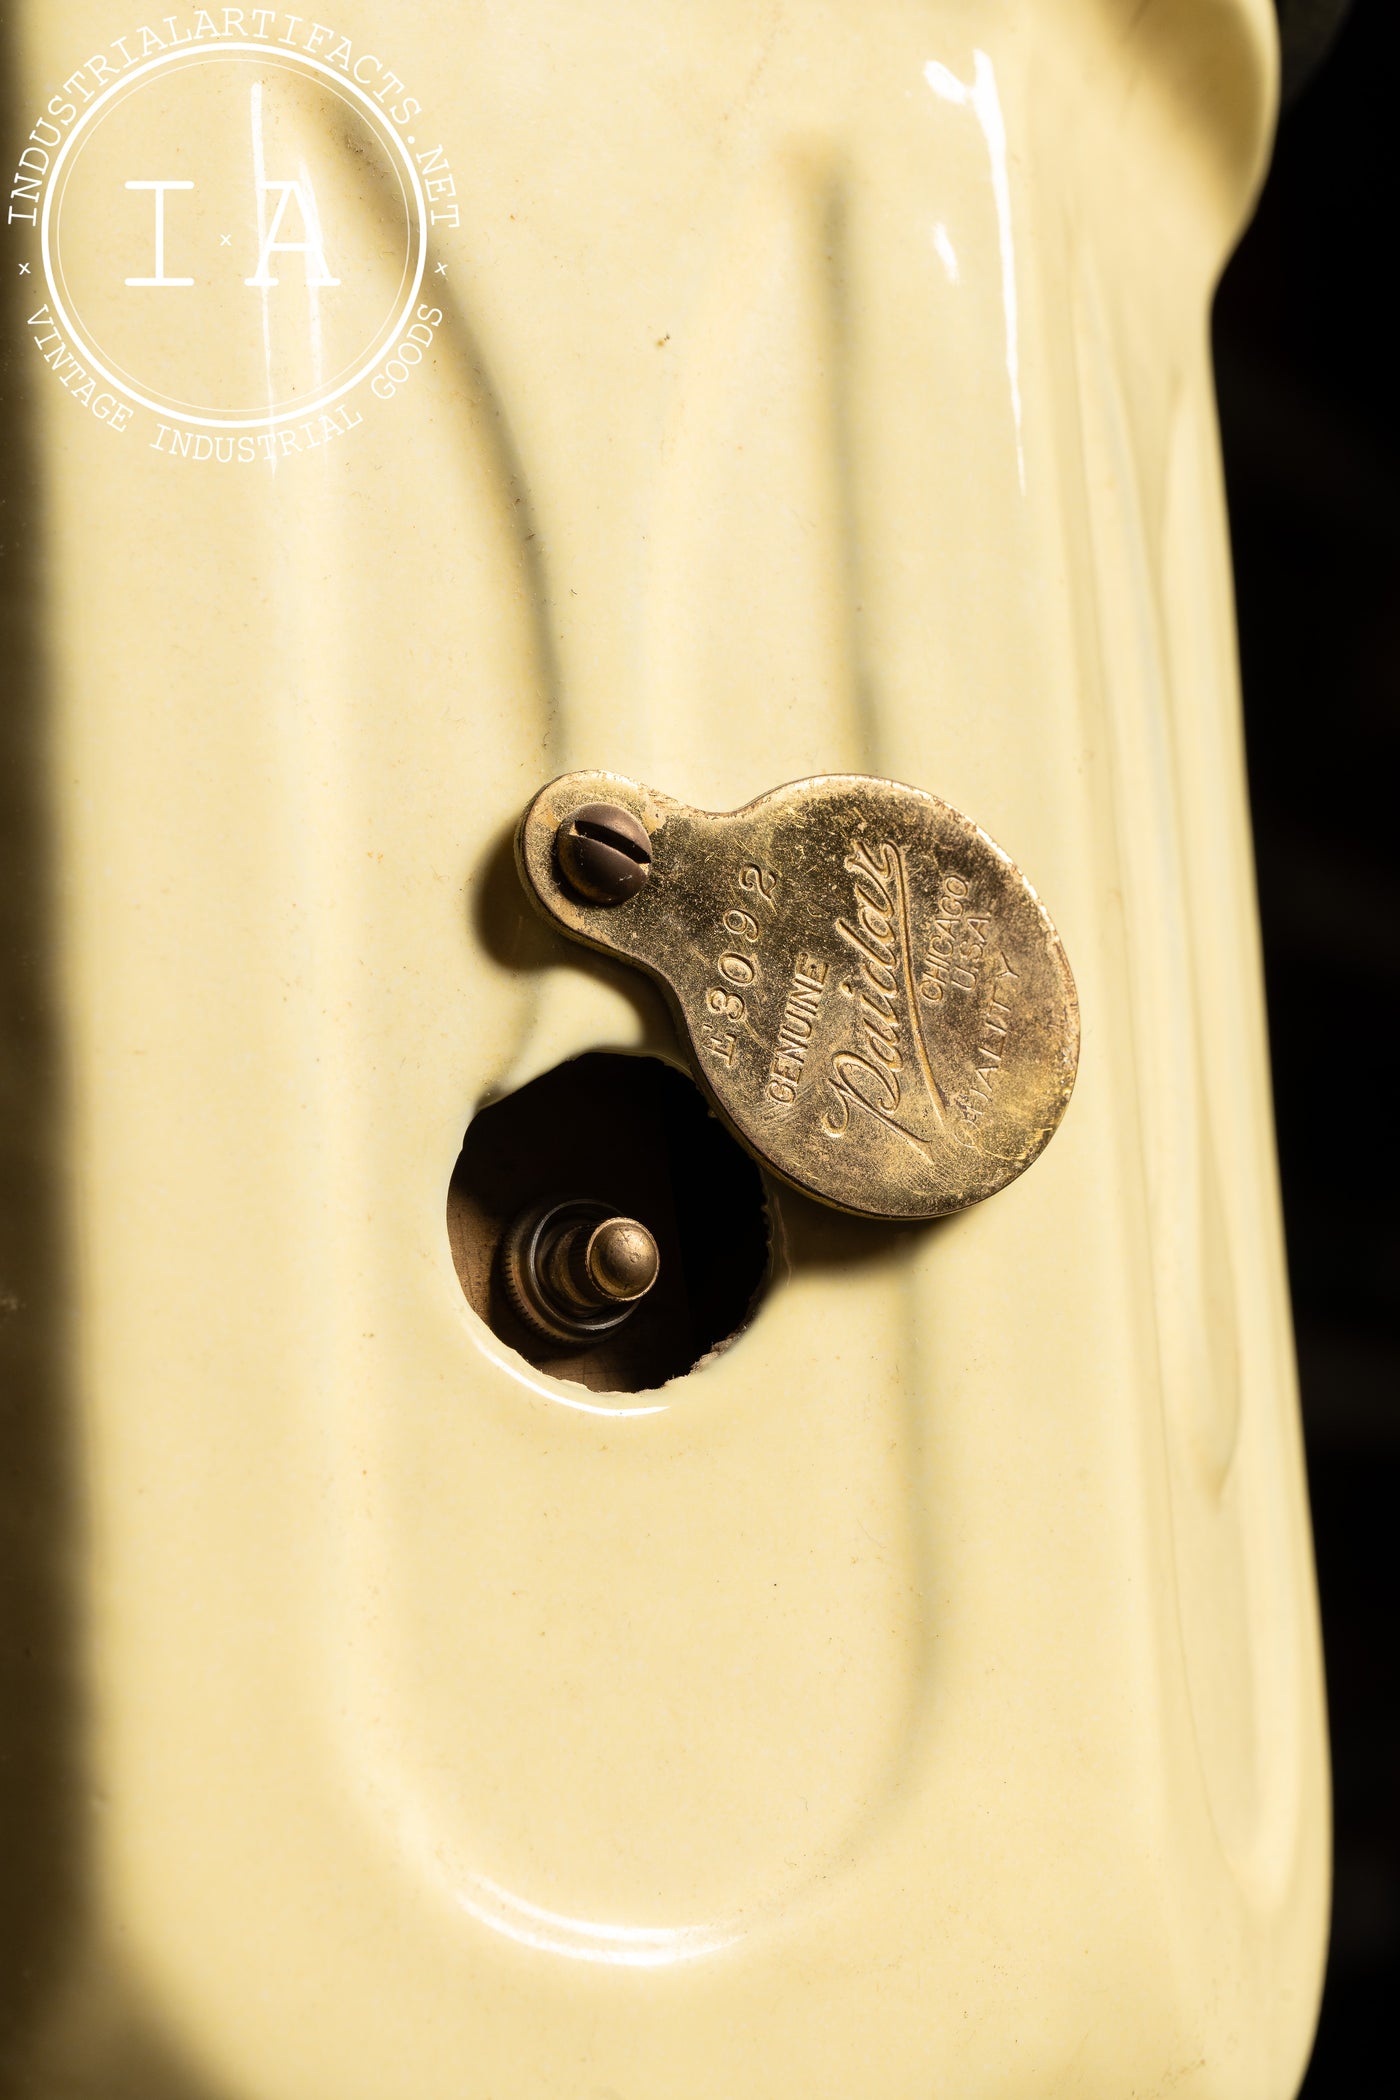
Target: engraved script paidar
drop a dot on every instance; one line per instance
(874, 996)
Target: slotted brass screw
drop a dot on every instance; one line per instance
(604, 853)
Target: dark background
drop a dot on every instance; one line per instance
(1307, 370)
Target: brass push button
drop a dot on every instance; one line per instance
(574, 1271)
(874, 996)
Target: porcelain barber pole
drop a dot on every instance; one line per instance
(919, 1694)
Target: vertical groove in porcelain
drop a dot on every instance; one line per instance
(753, 593)
(1263, 1491)
(1197, 1386)
(1193, 1034)
(658, 1531)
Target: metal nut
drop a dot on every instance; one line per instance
(604, 853)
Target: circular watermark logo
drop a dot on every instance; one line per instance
(232, 231)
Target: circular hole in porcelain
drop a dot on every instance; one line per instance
(638, 1136)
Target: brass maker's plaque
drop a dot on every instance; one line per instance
(875, 997)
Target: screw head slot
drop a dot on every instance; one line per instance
(604, 853)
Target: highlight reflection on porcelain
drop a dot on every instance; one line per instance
(980, 96)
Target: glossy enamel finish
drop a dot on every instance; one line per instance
(922, 1695)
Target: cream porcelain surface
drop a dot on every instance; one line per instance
(923, 1695)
